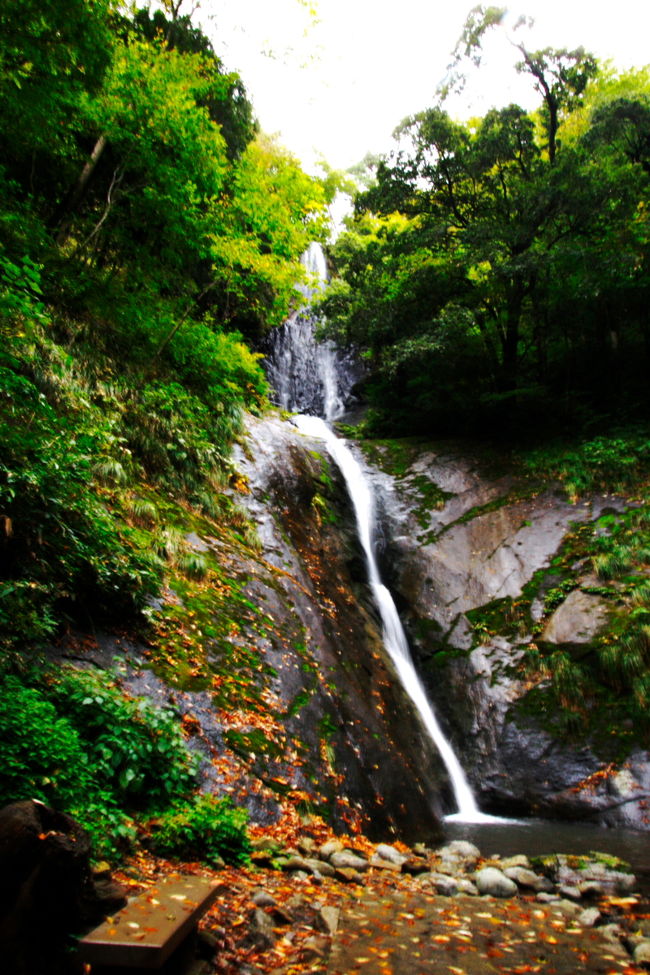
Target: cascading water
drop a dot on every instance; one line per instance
(393, 632)
(294, 345)
(309, 376)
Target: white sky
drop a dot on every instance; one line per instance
(338, 87)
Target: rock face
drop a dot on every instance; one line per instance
(345, 740)
(389, 768)
(461, 539)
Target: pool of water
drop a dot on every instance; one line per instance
(536, 837)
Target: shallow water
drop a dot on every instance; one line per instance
(535, 837)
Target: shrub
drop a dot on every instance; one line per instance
(137, 750)
(65, 550)
(44, 757)
(612, 463)
(76, 742)
(173, 433)
(208, 829)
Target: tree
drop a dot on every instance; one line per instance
(233, 113)
(261, 228)
(524, 246)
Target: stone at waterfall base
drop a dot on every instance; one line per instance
(494, 883)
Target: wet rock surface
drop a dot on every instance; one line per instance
(342, 736)
(297, 499)
(459, 537)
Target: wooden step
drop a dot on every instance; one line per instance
(144, 934)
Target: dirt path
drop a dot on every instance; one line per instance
(413, 933)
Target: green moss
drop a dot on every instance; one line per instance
(301, 699)
(392, 456)
(429, 496)
(610, 861)
(325, 513)
(548, 864)
(501, 617)
(253, 742)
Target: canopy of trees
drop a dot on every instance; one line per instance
(497, 270)
(147, 231)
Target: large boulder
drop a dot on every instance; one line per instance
(47, 889)
(494, 883)
(577, 620)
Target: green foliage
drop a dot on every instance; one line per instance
(495, 274)
(606, 463)
(234, 112)
(20, 291)
(75, 741)
(206, 829)
(172, 432)
(43, 756)
(64, 546)
(137, 750)
(52, 53)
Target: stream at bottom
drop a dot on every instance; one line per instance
(539, 837)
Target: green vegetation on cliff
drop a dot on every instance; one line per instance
(147, 230)
(149, 236)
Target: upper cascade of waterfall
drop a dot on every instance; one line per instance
(309, 376)
(315, 262)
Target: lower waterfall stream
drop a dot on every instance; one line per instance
(297, 365)
(393, 632)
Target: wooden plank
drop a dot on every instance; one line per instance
(145, 932)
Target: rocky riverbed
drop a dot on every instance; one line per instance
(376, 909)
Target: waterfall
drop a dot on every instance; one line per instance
(290, 356)
(309, 376)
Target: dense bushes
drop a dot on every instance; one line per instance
(207, 829)
(79, 438)
(74, 740)
(61, 544)
(77, 742)
(605, 463)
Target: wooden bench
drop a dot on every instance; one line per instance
(150, 929)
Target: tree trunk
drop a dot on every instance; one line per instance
(76, 195)
(510, 340)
